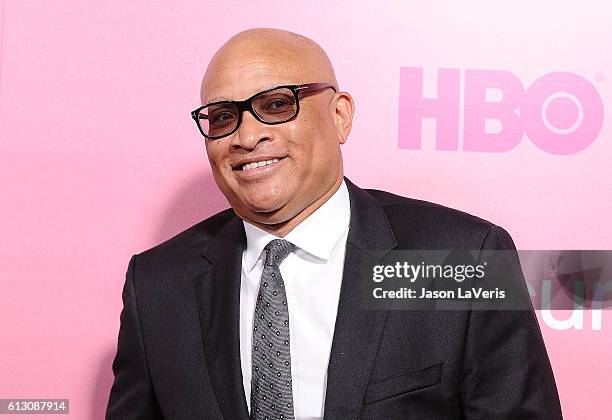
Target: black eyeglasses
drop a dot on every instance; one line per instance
(273, 106)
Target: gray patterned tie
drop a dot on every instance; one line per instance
(271, 394)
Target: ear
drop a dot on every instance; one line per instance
(344, 108)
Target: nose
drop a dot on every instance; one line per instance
(251, 132)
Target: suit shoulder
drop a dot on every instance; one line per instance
(432, 223)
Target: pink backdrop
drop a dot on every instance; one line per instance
(99, 158)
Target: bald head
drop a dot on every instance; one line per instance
(275, 174)
(299, 58)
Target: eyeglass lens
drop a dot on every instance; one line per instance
(275, 106)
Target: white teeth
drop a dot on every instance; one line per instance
(254, 165)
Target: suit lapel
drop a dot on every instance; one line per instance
(218, 294)
(357, 331)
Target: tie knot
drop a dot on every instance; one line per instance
(277, 250)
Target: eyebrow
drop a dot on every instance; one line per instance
(217, 99)
(223, 98)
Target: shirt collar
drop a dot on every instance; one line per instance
(317, 235)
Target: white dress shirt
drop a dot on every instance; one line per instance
(312, 274)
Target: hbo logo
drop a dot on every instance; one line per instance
(561, 113)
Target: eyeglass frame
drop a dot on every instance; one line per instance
(247, 105)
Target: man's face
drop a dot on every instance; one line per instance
(307, 149)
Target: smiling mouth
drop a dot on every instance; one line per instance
(258, 164)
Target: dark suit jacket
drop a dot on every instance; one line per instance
(178, 349)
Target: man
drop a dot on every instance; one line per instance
(254, 311)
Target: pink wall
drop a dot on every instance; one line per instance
(99, 158)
